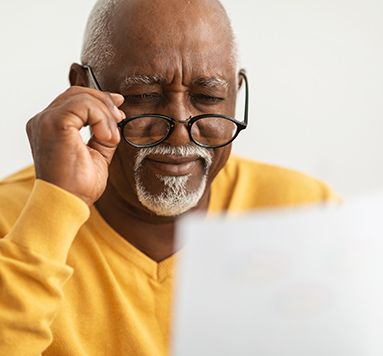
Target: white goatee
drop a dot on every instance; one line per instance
(175, 199)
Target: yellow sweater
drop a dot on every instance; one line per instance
(70, 285)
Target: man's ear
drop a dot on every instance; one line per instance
(78, 76)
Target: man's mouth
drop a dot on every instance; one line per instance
(172, 165)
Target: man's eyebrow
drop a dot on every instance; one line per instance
(211, 82)
(141, 79)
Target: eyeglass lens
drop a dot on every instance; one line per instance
(210, 131)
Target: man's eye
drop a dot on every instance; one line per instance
(142, 98)
(206, 99)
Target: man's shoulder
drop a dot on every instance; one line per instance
(14, 192)
(245, 184)
(265, 173)
(23, 175)
(18, 184)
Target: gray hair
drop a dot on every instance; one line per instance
(98, 50)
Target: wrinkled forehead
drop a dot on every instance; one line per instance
(180, 36)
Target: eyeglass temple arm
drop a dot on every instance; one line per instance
(92, 76)
(242, 73)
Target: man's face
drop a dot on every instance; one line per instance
(179, 65)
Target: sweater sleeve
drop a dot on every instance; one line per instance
(33, 268)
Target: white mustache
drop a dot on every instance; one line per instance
(184, 151)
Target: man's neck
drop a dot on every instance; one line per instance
(152, 235)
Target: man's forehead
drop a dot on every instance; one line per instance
(207, 67)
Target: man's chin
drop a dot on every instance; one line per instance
(176, 196)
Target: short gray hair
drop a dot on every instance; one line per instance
(98, 50)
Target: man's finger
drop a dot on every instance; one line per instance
(103, 148)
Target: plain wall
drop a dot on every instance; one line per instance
(315, 70)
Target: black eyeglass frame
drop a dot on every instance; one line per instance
(189, 122)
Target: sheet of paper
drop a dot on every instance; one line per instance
(295, 283)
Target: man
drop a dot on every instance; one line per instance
(86, 262)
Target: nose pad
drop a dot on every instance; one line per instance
(180, 134)
(178, 108)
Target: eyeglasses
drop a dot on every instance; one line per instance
(206, 130)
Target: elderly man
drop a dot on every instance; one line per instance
(86, 262)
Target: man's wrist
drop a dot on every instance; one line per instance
(49, 221)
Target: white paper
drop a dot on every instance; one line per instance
(299, 283)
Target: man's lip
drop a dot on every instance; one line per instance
(170, 165)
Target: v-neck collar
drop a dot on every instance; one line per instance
(157, 271)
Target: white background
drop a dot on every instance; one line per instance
(315, 69)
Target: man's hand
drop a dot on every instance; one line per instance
(60, 155)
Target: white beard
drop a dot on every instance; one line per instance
(175, 199)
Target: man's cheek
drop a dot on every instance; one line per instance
(220, 157)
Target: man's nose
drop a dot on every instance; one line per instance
(180, 135)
